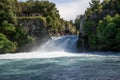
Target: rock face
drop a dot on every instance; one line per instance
(36, 28)
(82, 43)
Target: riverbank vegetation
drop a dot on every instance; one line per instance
(100, 26)
(24, 25)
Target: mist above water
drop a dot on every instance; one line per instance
(63, 46)
(58, 60)
(60, 44)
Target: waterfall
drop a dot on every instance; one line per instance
(65, 43)
(63, 46)
(57, 60)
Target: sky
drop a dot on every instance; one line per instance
(69, 9)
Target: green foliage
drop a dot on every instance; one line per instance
(40, 18)
(102, 25)
(23, 24)
(89, 27)
(108, 18)
(22, 37)
(108, 33)
(7, 11)
(6, 45)
(7, 27)
(77, 22)
(32, 8)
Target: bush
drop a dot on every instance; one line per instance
(108, 33)
(6, 45)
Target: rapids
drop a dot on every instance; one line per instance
(58, 60)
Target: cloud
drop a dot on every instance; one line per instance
(69, 10)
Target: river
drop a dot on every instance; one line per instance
(58, 60)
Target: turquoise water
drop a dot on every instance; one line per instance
(57, 60)
(87, 67)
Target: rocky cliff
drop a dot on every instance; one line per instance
(36, 28)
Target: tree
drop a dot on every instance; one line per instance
(95, 6)
(6, 45)
(7, 28)
(7, 11)
(108, 33)
(77, 22)
(101, 25)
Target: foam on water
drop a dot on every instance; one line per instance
(57, 60)
(38, 54)
(57, 47)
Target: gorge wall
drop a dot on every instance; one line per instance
(36, 28)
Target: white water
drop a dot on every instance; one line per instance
(57, 60)
(57, 47)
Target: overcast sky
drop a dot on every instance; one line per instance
(69, 9)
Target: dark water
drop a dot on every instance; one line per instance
(87, 67)
(56, 60)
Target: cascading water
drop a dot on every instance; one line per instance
(56, 47)
(56, 60)
(65, 44)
